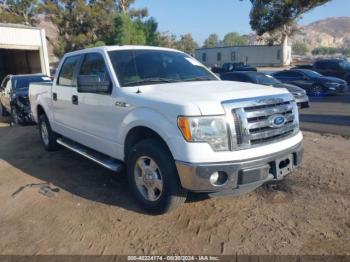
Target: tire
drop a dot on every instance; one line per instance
(316, 90)
(161, 177)
(47, 136)
(15, 118)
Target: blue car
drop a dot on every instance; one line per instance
(312, 82)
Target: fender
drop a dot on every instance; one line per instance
(164, 127)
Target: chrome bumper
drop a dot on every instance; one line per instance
(243, 176)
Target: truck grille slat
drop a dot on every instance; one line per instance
(253, 121)
(268, 111)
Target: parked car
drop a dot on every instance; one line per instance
(14, 96)
(169, 121)
(333, 67)
(314, 83)
(305, 66)
(229, 67)
(264, 79)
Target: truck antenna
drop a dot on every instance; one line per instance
(138, 91)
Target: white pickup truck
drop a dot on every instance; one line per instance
(169, 121)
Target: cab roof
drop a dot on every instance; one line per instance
(123, 47)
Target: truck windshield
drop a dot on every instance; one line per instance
(141, 67)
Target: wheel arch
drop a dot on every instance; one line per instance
(139, 133)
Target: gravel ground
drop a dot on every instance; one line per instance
(61, 203)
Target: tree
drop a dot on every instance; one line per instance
(279, 15)
(128, 32)
(187, 44)
(299, 48)
(234, 38)
(165, 39)
(79, 23)
(18, 11)
(124, 6)
(212, 41)
(149, 28)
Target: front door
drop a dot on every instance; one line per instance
(96, 115)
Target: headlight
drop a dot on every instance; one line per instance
(299, 93)
(211, 130)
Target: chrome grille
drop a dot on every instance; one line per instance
(250, 124)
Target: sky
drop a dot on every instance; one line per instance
(202, 17)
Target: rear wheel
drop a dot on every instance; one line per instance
(48, 137)
(153, 177)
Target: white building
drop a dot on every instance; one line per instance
(23, 50)
(254, 55)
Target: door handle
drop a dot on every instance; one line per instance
(54, 96)
(75, 100)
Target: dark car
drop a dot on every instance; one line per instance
(305, 66)
(333, 67)
(312, 82)
(264, 79)
(229, 67)
(14, 96)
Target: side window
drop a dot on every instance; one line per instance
(295, 74)
(233, 56)
(218, 58)
(281, 74)
(204, 57)
(321, 65)
(66, 75)
(94, 65)
(334, 66)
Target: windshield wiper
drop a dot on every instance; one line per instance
(199, 78)
(150, 81)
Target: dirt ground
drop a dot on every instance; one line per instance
(61, 203)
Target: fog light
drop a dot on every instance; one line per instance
(218, 178)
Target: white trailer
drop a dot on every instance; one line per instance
(255, 55)
(23, 50)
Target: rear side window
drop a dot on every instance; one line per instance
(67, 71)
(94, 65)
(281, 74)
(321, 65)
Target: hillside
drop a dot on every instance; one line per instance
(329, 32)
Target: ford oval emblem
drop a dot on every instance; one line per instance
(277, 120)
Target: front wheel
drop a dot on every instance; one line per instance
(316, 90)
(48, 137)
(153, 177)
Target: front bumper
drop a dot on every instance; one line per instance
(242, 176)
(302, 102)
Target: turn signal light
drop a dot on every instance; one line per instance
(184, 125)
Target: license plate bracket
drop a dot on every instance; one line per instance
(283, 166)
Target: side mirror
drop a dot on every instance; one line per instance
(93, 84)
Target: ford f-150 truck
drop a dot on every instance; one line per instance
(174, 125)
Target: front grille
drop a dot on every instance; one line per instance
(253, 121)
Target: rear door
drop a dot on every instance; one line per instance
(62, 92)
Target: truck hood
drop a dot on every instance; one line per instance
(206, 95)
